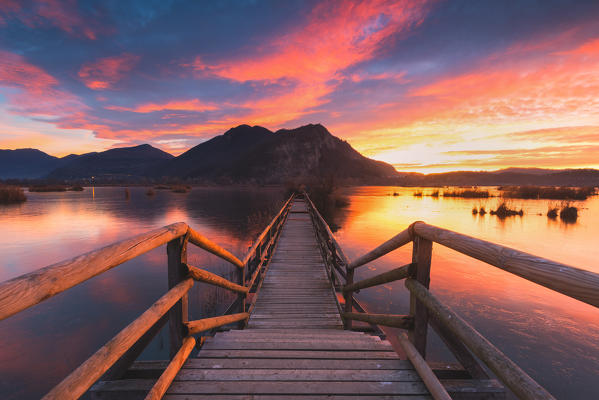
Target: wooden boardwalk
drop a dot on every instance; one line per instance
(295, 345)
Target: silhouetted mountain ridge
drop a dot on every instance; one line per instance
(254, 154)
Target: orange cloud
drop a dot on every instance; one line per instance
(173, 105)
(310, 60)
(106, 72)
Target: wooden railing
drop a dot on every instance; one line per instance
(425, 309)
(115, 357)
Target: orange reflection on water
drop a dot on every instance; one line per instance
(544, 331)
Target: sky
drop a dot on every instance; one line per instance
(426, 85)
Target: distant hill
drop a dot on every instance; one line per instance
(216, 156)
(125, 164)
(26, 163)
(509, 176)
(254, 154)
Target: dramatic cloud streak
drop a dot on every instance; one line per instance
(424, 85)
(106, 72)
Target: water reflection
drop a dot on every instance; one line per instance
(40, 346)
(554, 338)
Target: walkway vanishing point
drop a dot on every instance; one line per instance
(296, 331)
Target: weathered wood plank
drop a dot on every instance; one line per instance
(307, 354)
(294, 363)
(313, 375)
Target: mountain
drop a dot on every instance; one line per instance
(26, 163)
(116, 165)
(215, 156)
(256, 155)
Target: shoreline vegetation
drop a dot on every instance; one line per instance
(11, 194)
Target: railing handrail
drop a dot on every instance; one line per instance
(25, 291)
(574, 282)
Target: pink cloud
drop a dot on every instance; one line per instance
(105, 72)
(173, 105)
(312, 57)
(37, 94)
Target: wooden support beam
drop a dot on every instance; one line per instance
(348, 297)
(395, 242)
(208, 277)
(395, 321)
(458, 349)
(429, 378)
(27, 290)
(211, 247)
(523, 386)
(120, 368)
(386, 277)
(78, 381)
(167, 377)
(421, 258)
(574, 282)
(205, 324)
(176, 251)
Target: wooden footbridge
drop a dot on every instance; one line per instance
(296, 330)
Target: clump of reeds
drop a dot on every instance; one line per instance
(417, 194)
(180, 188)
(76, 188)
(434, 193)
(150, 192)
(568, 212)
(503, 210)
(48, 188)
(395, 194)
(548, 192)
(480, 210)
(127, 194)
(552, 211)
(467, 193)
(11, 195)
(162, 187)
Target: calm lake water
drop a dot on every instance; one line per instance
(554, 338)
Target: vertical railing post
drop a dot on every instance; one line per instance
(176, 251)
(421, 258)
(348, 296)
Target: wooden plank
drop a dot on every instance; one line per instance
(313, 375)
(396, 321)
(267, 363)
(297, 345)
(289, 397)
(385, 277)
(292, 387)
(290, 354)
